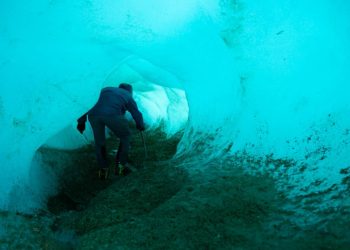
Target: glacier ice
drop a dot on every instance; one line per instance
(266, 78)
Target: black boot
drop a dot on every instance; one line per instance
(103, 173)
(116, 169)
(123, 170)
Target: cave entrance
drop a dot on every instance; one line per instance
(70, 157)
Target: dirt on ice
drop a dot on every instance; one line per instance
(185, 202)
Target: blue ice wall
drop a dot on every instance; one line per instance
(293, 62)
(270, 78)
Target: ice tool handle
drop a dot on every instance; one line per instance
(144, 144)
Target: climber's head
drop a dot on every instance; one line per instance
(126, 86)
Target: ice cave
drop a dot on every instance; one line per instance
(247, 114)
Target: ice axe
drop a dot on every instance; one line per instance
(144, 145)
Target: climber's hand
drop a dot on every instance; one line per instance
(81, 127)
(140, 127)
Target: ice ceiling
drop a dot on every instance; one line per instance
(268, 78)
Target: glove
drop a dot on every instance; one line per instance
(81, 127)
(140, 127)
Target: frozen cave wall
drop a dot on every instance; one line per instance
(268, 79)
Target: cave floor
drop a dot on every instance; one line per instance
(165, 204)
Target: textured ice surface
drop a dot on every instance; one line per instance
(267, 78)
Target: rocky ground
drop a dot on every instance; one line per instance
(166, 204)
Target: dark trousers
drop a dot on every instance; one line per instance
(120, 127)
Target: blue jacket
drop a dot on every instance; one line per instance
(115, 101)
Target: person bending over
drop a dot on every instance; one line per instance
(109, 112)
